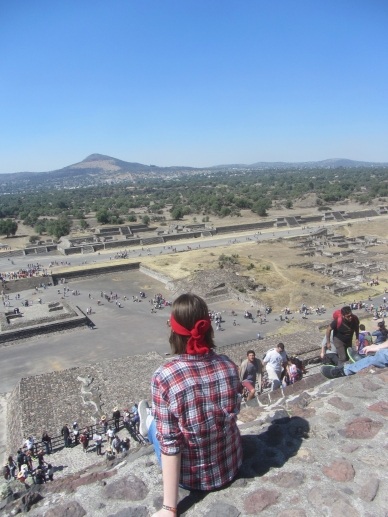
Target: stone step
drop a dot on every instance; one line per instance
(338, 216)
(292, 222)
(87, 249)
(11, 253)
(152, 240)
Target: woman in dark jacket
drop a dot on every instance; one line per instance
(381, 333)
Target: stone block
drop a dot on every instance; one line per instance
(380, 407)
(70, 509)
(369, 490)
(362, 428)
(256, 502)
(264, 399)
(130, 488)
(339, 471)
(220, 509)
(288, 479)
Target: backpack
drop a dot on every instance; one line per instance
(337, 315)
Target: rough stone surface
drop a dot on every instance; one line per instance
(130, 488)
(369, 489)
(350, 448)
(362, 428)
(71, 509)
(368, 385)
(288, 479)
(380, 407)
(220, 509)
(330, 417)
(340, 404)
(295, 512)
(321, 497)
(136, 511)
(339, 471)
(256, 502)
(281, 474)
(305, 456)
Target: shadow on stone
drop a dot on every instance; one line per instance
(270, 449)
(273, 447)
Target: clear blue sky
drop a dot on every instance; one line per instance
(192, 82)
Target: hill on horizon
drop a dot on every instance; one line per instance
(100, 163)
(99, 169)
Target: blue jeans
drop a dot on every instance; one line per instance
(152, 439)
(380, 360)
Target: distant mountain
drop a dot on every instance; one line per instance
(99, 169)
(332, 163)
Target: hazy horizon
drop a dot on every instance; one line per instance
(192, 83)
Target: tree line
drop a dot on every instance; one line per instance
(223, 193)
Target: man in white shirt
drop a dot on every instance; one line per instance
(274, 360)
(29, 444)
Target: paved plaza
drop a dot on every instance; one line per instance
(119, 332)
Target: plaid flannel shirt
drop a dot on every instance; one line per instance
(195, 402)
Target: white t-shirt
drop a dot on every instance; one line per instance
(274, 359)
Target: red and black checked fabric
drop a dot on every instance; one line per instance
(195, 401)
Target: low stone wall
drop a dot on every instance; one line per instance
(23, 284)
(70, 251)
(180, 236)
(244, 227)
(95, 271)
(155, 274)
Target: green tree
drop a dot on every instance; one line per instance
(261, 206)
(8, 227)
(132, 218)
(145, 219)
(58, 227)
(289, 203)
(102, 216)
(83, 224)
(177, 213)
(40, 227)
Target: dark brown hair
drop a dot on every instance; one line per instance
(346, 310)
(187, 310)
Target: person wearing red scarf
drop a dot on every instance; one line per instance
(195, 401)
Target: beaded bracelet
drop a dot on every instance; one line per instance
(170, 508)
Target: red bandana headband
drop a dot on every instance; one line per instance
(196, 343)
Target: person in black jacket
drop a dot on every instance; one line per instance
(47, 442)
(116, 416)
(40, 478)
(65, 433)
(20, 458)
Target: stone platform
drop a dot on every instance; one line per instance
(321, 451)
(39, 319)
